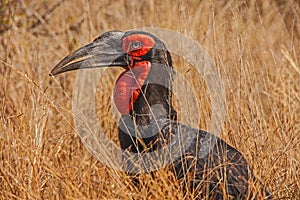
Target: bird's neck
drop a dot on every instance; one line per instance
(129, 86)
(154, 103)
(143, 92)
(150, 111)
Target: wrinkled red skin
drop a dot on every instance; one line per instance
(128, 85)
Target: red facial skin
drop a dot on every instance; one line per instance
(146, 44)
(128, 85)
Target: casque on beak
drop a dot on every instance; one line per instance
(103, 51)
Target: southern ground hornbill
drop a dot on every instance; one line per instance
(222, 173)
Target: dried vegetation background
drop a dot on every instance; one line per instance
(254, 43)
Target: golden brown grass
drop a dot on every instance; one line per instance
(256, 47)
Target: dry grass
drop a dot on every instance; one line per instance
(255, 44)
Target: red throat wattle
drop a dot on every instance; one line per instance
(128, 86)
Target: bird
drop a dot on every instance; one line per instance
(143, 95)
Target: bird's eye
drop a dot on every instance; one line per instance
(136, 44)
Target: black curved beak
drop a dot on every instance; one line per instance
(103, 51)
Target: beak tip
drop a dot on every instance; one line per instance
(52, 73)
(56, 70)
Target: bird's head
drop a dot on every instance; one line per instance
(143, 56)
